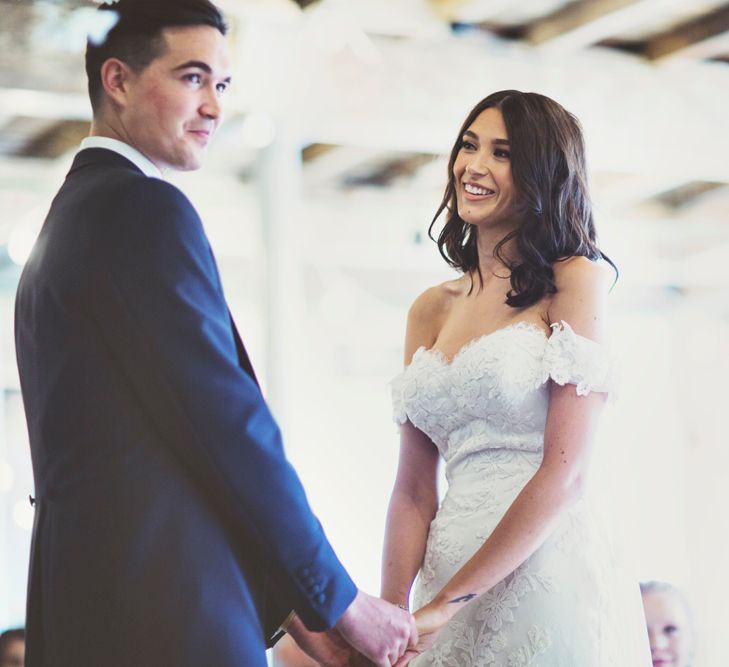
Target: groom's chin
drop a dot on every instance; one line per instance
(192, 162)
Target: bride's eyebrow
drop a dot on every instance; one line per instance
(473, 135)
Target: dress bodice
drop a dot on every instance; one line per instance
(494, 394)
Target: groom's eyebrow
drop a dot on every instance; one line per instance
(197, 64)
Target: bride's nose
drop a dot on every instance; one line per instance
(476, 168)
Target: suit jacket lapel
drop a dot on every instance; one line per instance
(96, 156)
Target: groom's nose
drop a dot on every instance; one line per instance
(211, 106)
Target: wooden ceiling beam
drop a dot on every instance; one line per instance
(583, 21)
(690, 35)
(469, 11)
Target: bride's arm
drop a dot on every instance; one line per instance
(414, 499)
(558, 482)
(412, 507)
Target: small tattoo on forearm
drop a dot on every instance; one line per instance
(463, 598)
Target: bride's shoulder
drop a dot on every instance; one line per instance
(581, 295)
(579, 272)
(427, 313)
(435, 302)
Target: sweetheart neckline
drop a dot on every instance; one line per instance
(521, 324)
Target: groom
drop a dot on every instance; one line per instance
(170, 530)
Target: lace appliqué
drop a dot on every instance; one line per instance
(573, 359)
(399, 414)
(478, 638)
(539, 641)
(488, 382)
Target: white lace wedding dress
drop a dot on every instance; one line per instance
(569, 604)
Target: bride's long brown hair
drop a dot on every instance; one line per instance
(551, 197)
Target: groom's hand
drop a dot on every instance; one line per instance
(327, 648)
(377, 629)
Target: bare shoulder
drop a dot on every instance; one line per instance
(435, 300)
(581, 298)
(576, 273)
(427, 313)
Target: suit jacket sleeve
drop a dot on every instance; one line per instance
(160, 306)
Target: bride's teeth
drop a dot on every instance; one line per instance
(475, 190)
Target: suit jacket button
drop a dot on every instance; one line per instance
(321, 598)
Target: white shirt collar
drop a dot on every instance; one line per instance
(125, 150)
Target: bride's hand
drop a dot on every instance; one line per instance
(429, 620)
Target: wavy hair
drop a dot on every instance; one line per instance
(551, 197)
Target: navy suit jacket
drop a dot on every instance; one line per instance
(170, 529)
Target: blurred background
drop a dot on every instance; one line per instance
(317, 196)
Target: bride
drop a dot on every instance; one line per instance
(506, 375)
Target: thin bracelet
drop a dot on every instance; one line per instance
(403, 607)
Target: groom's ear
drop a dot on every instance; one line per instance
(116, 77)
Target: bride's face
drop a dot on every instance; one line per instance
(482, 169)
(669, 629)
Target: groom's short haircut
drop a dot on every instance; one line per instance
(136, 36)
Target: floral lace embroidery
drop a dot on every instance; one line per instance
(482, 648)
(539, 642)
(486, 410)
(490, 381)
(482, 642)
(573, 359)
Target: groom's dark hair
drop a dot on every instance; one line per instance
(136, 34)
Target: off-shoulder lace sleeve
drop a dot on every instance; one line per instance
(573, 359)
(399, 415)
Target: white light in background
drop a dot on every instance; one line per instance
(338, 304)
(62, 30)
(7, 476)
(93, 23)
(258, 130)
(323, 29)
(20, 243)
(45, 104)
(331, 29)
(23, 514)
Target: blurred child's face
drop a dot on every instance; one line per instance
(669, 629)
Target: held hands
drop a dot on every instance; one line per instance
(379, 630)
(429, 621)
(327, 648)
